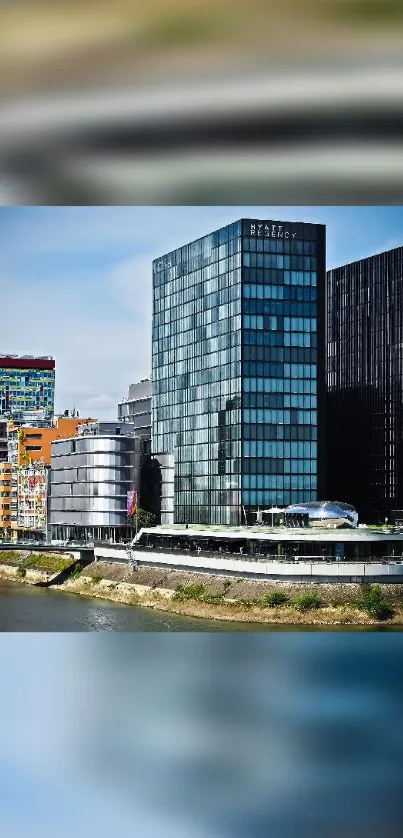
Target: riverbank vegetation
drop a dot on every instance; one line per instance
(219, 597)
(242, 600)
(51, 562)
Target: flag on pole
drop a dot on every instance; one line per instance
(131, 503)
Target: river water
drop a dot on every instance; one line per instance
(26, 608)
(276, 734)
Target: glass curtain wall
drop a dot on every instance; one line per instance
(280, 321)
(197, 374)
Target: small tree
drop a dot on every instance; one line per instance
(375, 603)
(144, 519)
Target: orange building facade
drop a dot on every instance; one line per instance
(28, 445)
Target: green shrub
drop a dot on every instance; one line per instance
(275, 598)
(374, 602)
(212, 599)
(96, 578)
(21, 571)
(189, 592)
(197, 592)
(307, 602)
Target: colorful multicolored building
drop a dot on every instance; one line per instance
(29, 455)
(5, 500)
(27, 389)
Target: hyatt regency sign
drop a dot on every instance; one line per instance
(268, 230)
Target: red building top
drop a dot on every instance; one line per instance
(27, 363)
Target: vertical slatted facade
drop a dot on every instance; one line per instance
(364, 371)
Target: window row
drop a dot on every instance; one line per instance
(262, 338)
(273, 432)
(192, 378)
(279, 385)
(279, 497)
(269, 245)
(192, 286)
(279, 263)
(204, 467)
(267, 465)
(279, 417)
(220, 260)
(169, 330)
(254, 369)
(277, 481)
(275, 276)
(279, 323)
(279, 400)
(209, 403)
(193, 340)
(292, 293)
(287, 451)
(301, 309)
(212, 451)
(208, 310)
(293, 467)
(278, 353)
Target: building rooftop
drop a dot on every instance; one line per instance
(281, 533)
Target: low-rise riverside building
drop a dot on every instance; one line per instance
(91, 476)
(357, 556)
(29, 455)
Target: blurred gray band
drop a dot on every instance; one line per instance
(288, 137)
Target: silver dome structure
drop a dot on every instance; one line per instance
(325, 513)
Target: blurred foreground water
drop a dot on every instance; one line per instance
(182, 101)
(200, 735)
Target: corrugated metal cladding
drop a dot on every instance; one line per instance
(90, 478)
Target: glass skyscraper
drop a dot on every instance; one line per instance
(237, 368)
(364, 331)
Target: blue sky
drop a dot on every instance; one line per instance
(76, 281)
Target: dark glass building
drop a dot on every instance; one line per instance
(237, 354)
(364, 383)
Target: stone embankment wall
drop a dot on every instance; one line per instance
(226, 598)
(36, 568)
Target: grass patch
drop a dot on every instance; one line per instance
(44, 561)
(9, 557)
(184, 592)
(21, 572)
(47, 561)
(374, 602)
(96, 578)
(275, 598)
(307, 602)
(197, 593)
